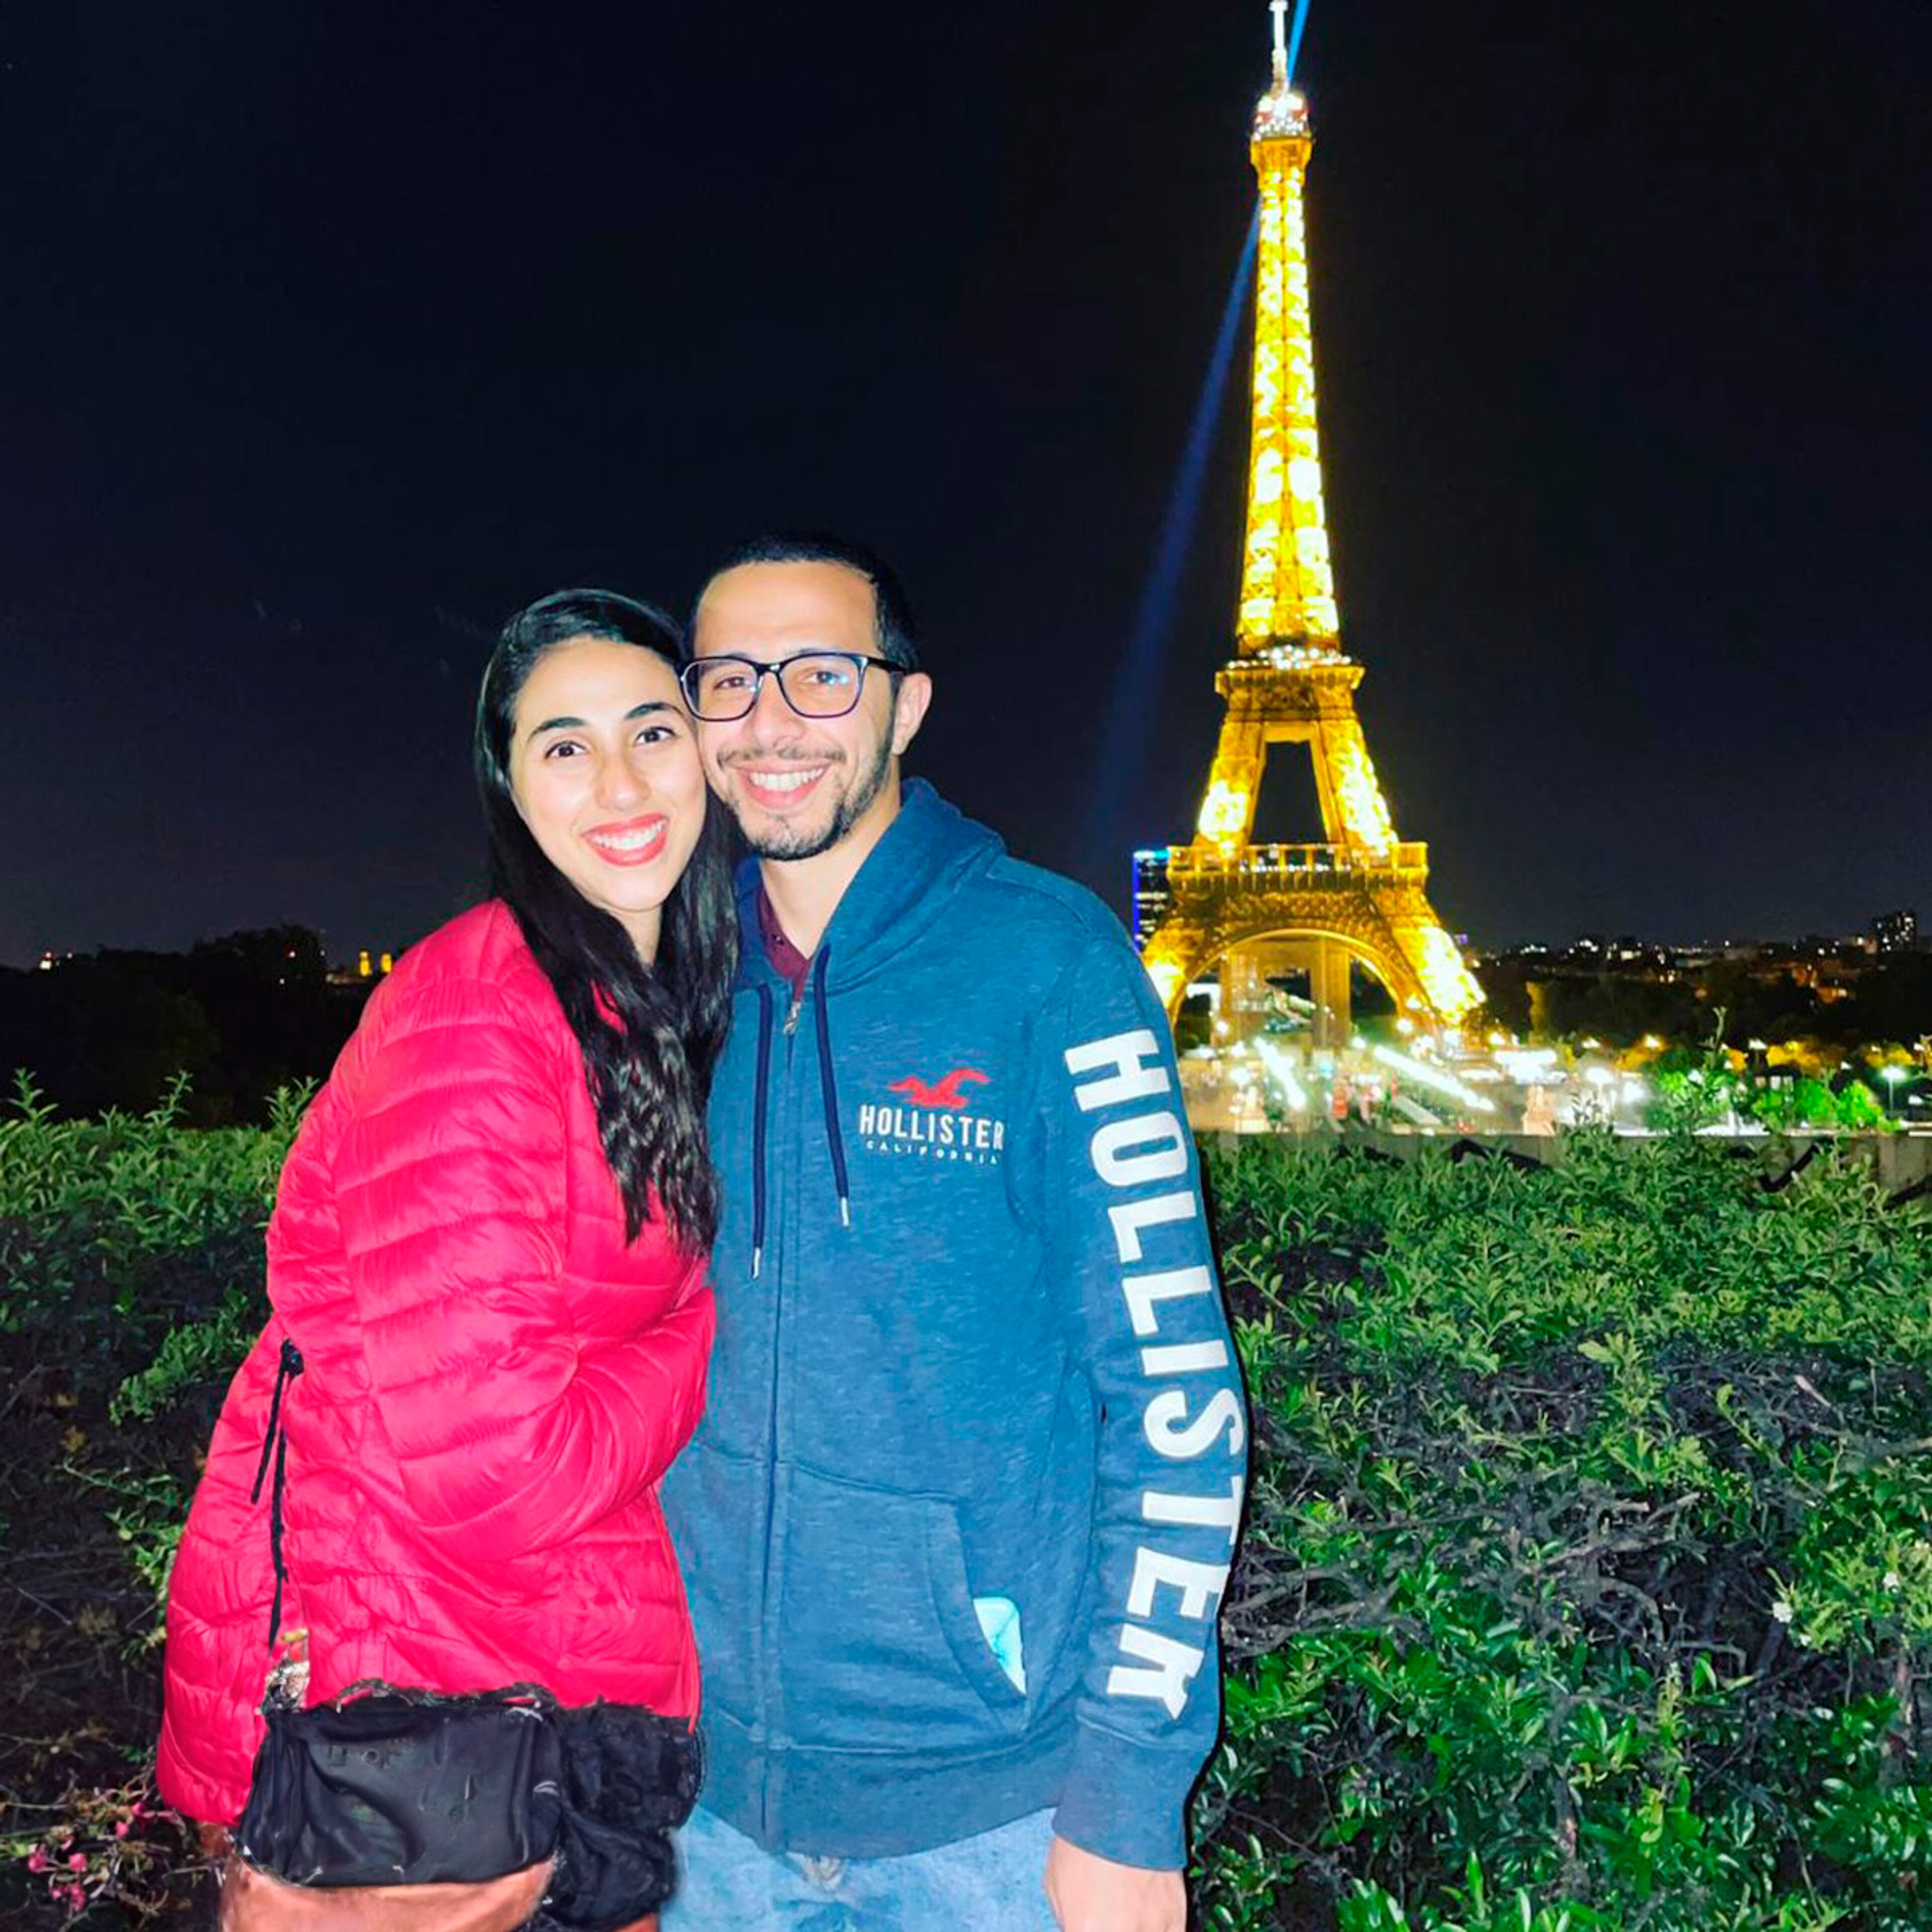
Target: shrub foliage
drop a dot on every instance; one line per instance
(130, 1283)
(1587, 1580)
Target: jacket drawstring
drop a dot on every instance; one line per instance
(275, 1444)
(829, 1085)
(758, 1104)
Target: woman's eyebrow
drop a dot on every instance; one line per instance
(578, 724)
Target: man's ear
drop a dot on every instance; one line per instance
(915, 694)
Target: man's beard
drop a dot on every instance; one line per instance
(798, 841)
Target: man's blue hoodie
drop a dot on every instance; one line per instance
(957, 1523)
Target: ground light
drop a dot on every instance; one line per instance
(1282, 1073)
(1434, 1079)
(1892, 1076)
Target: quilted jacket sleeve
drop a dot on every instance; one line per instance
(451, 1188)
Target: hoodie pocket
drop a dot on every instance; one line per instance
(878, 1646)
(714, 1505)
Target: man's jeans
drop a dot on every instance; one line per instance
(993, 1882)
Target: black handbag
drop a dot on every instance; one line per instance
(385, 1786)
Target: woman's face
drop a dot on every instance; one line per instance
(603, 768)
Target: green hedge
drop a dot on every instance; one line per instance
(130, 1283)
(1587, 1576)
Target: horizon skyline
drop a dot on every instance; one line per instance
(398, 944)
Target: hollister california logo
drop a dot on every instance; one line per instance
(935, 1119)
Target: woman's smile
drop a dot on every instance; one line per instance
(636, 841)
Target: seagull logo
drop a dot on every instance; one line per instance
(945, 1092)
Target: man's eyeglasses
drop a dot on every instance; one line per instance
(815, 684)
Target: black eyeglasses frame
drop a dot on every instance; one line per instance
(687, 680)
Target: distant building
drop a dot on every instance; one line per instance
(1895, 931)
(368, 966)
(1150, 892)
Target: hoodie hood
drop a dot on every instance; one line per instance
(929, 852)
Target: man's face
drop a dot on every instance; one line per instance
(799, 786)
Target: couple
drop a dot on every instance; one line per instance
(954, 1526)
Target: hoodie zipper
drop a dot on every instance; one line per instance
(766, 1234)
(767, 1675)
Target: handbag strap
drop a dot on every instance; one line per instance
(533, 1695)
(275, 1443)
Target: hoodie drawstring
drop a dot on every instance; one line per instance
(829, 1086)
(275, 1444)
(758, 1089)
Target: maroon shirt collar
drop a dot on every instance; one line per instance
(786, 958)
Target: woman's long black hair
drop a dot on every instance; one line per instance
(651, 1035)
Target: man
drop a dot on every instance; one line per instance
(957, 1525)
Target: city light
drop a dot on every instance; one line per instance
(1892, 1076)
(1282, 1072)
(1435, 1079)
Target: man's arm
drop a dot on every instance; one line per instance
(1130, 1239)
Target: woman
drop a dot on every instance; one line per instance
(438, 1466)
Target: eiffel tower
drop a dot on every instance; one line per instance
(1264, 911)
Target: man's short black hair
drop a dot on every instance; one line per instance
(894, 629)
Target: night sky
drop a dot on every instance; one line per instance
(332, 334)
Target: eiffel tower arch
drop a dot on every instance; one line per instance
(1360, 894)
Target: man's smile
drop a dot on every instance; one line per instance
(777, 786)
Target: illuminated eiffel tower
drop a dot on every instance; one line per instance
(1264, 911)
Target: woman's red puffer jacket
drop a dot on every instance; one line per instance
(493, 1381)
